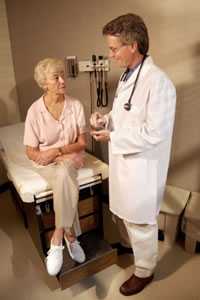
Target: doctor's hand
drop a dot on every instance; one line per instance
(101, 135)
(97, 120)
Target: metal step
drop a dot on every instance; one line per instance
(99, 255)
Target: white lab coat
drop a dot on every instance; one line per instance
(140, 142)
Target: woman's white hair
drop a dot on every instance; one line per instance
(46, 67)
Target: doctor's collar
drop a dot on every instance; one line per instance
(129, 71)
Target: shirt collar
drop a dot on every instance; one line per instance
(67, 106)
(130, 71)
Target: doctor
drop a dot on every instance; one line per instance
(139, 130)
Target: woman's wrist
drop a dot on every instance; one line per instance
(60, 151)
(63, 150)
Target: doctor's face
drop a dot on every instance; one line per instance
(124, 55)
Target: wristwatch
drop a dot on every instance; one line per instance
(60, 151)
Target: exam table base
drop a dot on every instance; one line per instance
(99, 254)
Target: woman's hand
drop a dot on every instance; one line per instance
(48, 156)
(42, 157)
(62, 157)
(76, 158)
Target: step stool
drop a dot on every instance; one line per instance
(191, 223)
(174, 202)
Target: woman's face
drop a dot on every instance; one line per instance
(55, 83)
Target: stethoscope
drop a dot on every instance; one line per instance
(127, 106)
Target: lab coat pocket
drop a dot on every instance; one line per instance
(143, 187)
(134, 111)
(133, 116)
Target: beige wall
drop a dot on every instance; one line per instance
(59, 28)
(9, 111)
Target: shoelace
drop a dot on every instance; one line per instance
(74, 243)
(55, 248)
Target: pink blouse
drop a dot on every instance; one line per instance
(45, 132)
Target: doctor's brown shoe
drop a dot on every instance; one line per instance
(134, 285)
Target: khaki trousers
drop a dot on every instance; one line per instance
(62, 178)
(144, 242)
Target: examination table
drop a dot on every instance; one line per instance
(33, 196)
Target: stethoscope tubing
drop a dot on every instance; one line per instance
(127, 105)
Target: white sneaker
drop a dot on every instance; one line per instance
(75, 250)
(54, 259)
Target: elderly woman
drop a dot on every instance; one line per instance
(55, 140)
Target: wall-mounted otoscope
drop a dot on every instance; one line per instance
(100, 74)
(94, 61)
(103, 99)
(98, 67)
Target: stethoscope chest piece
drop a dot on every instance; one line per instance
(127, 106)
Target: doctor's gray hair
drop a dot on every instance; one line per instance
(129, 28)
(46, 67)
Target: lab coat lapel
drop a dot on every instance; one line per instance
(123, 85)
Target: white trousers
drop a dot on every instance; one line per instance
(144, 242)
(62, 178)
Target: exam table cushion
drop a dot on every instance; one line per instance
(27, 182)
